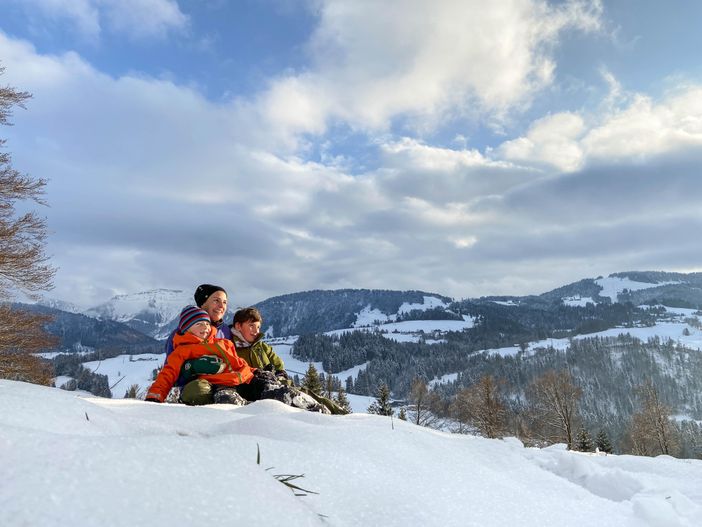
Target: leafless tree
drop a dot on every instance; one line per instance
(482, 407)
(423, 404)
(553, 400)
(651, 432)
(24, 266)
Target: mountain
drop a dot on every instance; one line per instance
(154, 313)
(80, 333)
(320, 311)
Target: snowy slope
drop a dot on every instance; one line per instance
(154, 311)
(613, 285)
(72, 460)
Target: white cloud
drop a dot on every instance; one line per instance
(136, 18)
(630, 128)
(375, 61)
(552, 141)
(647, 128)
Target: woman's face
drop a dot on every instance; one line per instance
(216, 305)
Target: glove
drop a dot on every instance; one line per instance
(270, 367)
(265, 375)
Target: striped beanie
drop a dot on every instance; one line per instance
(190, 316)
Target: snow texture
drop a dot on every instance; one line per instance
(85, 461)
(612, 286)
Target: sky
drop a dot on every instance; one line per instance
(72, 459)
(275, 146)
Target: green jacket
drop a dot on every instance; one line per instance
(258, 354)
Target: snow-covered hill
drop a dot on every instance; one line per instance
(151, 312)
(75, 460)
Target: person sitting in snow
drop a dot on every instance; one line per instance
(248, 339)
(218, 374)
(213, 299)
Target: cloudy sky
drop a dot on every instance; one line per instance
(271, 146)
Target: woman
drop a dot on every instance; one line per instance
(213, 299)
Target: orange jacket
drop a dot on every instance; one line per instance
(189, 346)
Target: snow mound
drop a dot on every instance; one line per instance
(74, 460)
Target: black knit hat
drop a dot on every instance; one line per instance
(204, 291)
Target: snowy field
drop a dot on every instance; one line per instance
(86, 461)
(613, 285)
(674, 330)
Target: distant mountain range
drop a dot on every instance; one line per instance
(155, 313)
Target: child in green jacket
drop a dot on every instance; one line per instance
(248, 339)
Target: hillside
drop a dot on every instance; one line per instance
(84, 461)
(320, 311)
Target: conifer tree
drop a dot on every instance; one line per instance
(329, 386)
(602, 442)
(312, 381)
(583, 443)
(342, 400)
(381, 405)
(402, 415)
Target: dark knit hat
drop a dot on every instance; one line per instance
(190, 316)
(203, 292)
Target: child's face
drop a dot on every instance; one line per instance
(201, 329)
(249, 329)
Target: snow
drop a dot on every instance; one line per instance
(164, 305)
(368, 317)
(682, 311)
(84, 461)
(430, 302)
(505, 302)
(61, 380)
(578, 301)
(125, 370)
(612, 286)
(444, 379)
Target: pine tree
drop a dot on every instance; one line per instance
(342, 400)
(133, 392)
(403, 414)
(329, 386)
(381, 405)
(602, 442)
(312, 381)
(583, 441)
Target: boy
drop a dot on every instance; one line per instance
(248, 339)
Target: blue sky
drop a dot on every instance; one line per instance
(276, 146)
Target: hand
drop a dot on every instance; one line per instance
(265, 375)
